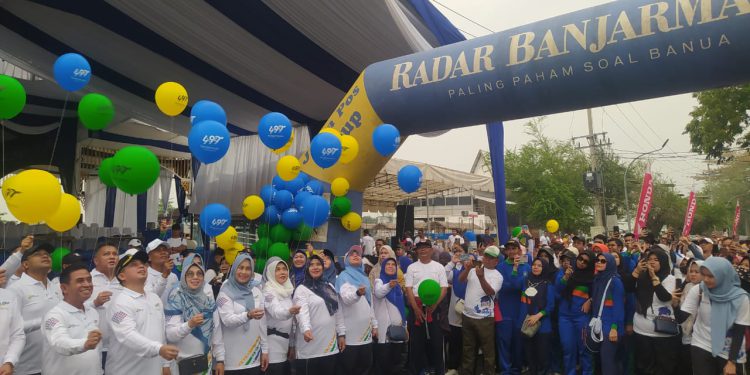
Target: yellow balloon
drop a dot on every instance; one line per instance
(253, 207)
(553, 226)
(32, 195)
(171, 98)
(238, 247)
(67, 214)
(286, 147)
(228, 239)
(288, 167)
(349, 149)
(230, 254)
(351, 221)
(332, 131)
(339, 186)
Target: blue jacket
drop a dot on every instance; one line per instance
(613, 313)
(509, 300)
(528, 307)
(571, 307)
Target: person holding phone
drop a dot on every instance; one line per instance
(574, 296)
(693, 279)
(507, 332)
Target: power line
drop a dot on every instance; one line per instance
(467, 33)
(464, 17)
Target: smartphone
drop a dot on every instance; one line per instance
(524, 259)
(477, 263)
(525, 228)
(678, 284)
(465, 257)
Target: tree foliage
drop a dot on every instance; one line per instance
(720, 121)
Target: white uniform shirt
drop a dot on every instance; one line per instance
(136, 322)
(245, 339)
(157, 284)
(478, 305)
(645, 325)
(280, 320)
(102, 284)
(313, 316)
(11, 280)
(418, 272)
(55, 287)
(179, 333)
(35, 300)
(386, 313)
(11, 265)
(12, 338)
(359, 316)
(66, 329)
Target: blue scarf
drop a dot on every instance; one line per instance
(240, 292)
(354, 276)
(329, 274)
(298, 274)
(726, 299)
(190, 302)
(600, 282)
(396, 295)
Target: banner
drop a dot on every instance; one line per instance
(644, 204)
(689, 215)
(736, 219)
(644, 48)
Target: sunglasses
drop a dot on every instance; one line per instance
(583, 260)
(601, 261)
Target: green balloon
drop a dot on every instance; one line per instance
(57, 256)
(280, 250)
(135, 169)
(12, 97)
(260, 265)
(95, 111)
(279, 233)
(302, 233)
(105, 172)
(264, 230)
(515, 232)
(260, 248)
(429, 292)
(341, 206)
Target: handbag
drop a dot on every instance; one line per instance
(395, 333)
(666, 325)
(528, 329)
(593, 335)
(196, 364)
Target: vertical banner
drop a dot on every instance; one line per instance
(689, 215)
(736, 219)
(644, 203)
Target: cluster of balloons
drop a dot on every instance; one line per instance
(72, 72)
(341, 206)
(133, 169)
(34, 196)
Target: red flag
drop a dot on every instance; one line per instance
(736, 219)
(689, 215)
(644, 204)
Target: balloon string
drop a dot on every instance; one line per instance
(122, 224)
(57, 136)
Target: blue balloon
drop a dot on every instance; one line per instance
(271, 216)
(267, 194)
(283, 200)
(409, 178)
(72, 71)
(206, 110)
(315, 211)
(300, 198)
(325, 149)
(295, 185)
(274, 130)
(386, 139)
(278, 183)
(208, 141)
(304, 176)
(291, 219)
(215, 219)
(314, 187)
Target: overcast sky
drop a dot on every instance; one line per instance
(637, 126)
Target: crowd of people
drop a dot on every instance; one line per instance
(545, 305)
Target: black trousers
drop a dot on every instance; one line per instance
(246, 371)
(355, 359)
(657, 355)
(281, 368)
(424, 353)
(536, 350)
(389, 358)
(704, 363)
(316, 366)
(455, 348)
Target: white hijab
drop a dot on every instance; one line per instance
(269, 279)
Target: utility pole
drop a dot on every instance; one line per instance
(594, 180)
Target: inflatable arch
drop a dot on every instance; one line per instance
(616, 52)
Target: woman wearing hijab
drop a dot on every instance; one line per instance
(693, 278)
(243, 321)
(299, 264)
(574, 295)
(355, 302)
(277, 293)
(389, 311)
(192, 318)
(537, 304)
(384, 253)
(321, 330)
(330, 269)
(655, 352)
(722, 314)
(609, 303)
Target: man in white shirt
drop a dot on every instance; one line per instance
(160, 277)
(484, 282)
(71, 330)
(177, 245)
(420, 237)
(12, 265)
(368, 243)
(35, 297)
(455, 237)
(12, 338)
(421, 321)
(136, 320)
(106, 286)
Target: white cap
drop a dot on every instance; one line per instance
(135, 243)
(154, 244)
(191, 244)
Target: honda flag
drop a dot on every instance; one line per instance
(689, 215)
(736, 219)
(644, 204)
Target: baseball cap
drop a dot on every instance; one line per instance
(153, 245)
(423, 244)
(71, 258)
(129, 256)
(492, 251)
(42, 247)
(706, 240)
(510, 244)
(135, 243)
